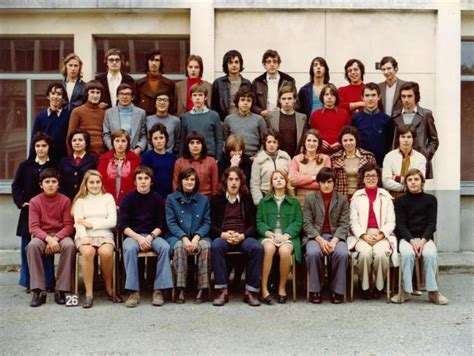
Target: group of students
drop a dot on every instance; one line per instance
(301, 173)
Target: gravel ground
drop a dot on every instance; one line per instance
(357, 328)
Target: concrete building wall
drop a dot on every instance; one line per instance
(419, 36)
(288, 32)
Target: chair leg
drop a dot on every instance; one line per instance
(400, 279)
(293, 277)
(307, 285)
(388, 283)
(173, 290)
(76, 273)
(351, 297)
(114, 279)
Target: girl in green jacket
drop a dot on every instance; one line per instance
(279, 222)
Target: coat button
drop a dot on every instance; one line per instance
(181, 221)
(75, 173)
(182, 212)
(197, 216)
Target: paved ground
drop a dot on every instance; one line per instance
(358, 328)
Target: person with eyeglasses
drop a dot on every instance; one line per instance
(372, 225)
(128, 117)
(266, 86)
(114, 76)
(171, 122)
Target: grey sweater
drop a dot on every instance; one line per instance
(250, 127)
(207, 124)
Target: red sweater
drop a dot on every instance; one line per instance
(206, 170)
(89, 117)
(329, 123)
(350, 94)
(372, 195)
(108, 168)
(327, 201)
(50, 215)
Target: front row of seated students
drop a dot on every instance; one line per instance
(230, 220)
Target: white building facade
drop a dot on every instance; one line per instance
(429, 39)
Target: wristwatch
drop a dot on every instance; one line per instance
(152, 234)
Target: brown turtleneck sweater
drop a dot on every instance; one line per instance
(89, 117)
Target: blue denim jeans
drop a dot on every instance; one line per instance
(250, 247)
(430, 263)
(163, 277)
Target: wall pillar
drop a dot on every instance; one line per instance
(447, 113)
(84, 47)
(202, 35)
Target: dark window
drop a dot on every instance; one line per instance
(174, 52)
(13, 123)
(34, 55)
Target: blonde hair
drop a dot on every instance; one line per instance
(289, 190)
(66, 59)
(82, 193)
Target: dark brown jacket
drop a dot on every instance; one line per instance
(427, 137)
(260, 89)
(146, 97)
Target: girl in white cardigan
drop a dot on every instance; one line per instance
(95, 215)
(372, 224)
(266, 161)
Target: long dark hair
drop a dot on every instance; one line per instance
(194, 135)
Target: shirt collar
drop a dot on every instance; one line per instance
(357, 154)
(81, 156)
(334, 108)
(414, 111)
(205, 110)
(114, 77)
(40, 162)
(232, 201)
(409, 153)
(376, 111)
(49, 111)
(277, 77)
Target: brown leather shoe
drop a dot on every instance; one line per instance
(337, 298)
(253, 299)
(315, 298)
(221, 299)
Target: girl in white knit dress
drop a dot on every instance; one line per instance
(95, 216)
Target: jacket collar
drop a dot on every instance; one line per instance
(271, 197)
(380, 192)
(182, 198)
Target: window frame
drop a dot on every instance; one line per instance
(467, 186)
(5, 184)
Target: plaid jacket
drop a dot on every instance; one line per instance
(337, 163)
